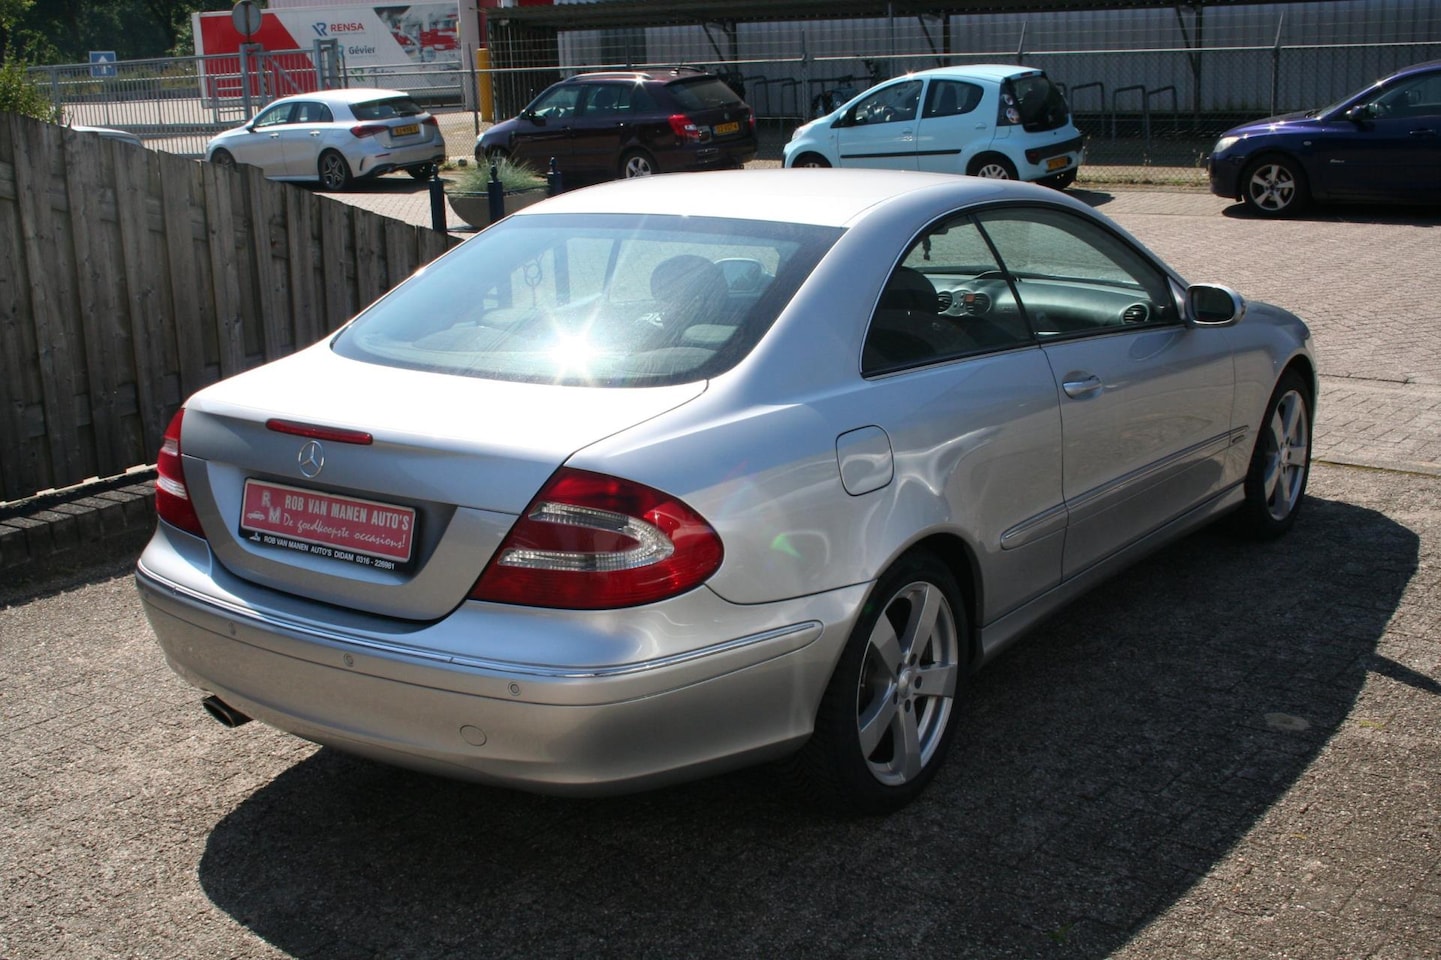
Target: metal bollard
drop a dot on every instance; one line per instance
(437, 202)
(552, 180)
(495, 193)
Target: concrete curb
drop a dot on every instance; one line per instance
(47, 536)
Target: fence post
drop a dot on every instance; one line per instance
(1276, 64)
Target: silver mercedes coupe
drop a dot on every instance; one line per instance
(677, 474)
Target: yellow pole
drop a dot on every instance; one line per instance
(487, 90)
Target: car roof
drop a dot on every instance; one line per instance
(979, 71)
(662, 76)
(347, 95)
(825, 197)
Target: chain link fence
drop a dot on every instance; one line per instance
(1150, 89)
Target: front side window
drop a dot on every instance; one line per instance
(947, 298)
(894, 103)
(1417, 97)
(593, 300)
(274, 116)
(556, 103)
(1073, 277)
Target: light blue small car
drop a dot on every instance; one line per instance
(986, 120)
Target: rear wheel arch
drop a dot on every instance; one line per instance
(960, 558)
(992, 164)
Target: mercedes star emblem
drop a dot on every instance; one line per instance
(312, 459)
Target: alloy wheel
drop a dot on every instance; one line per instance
(907, 683)
(1287, 451)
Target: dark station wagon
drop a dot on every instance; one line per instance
(606, 126)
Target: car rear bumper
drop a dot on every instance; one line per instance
(398, 158)
(711, 156)
(549, 727)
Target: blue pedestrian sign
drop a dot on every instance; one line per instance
(102, 63)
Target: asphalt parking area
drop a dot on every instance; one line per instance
(1229, 750)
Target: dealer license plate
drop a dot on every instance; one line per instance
(722, 129)
(1056, 163)
(364, 532)
(409, 130)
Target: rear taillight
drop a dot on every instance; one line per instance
(172, 497)
(362, 130)
(683, 128)
(591, 542)
(431, 122)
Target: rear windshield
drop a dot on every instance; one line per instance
(1038, 103)
(593, 300)
(385, 109)
(703, 93)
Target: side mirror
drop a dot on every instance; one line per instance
(1361, 112)
(1209, 304)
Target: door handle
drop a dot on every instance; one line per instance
(1424, 132)
(1085, 386)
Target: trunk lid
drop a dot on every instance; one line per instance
(399, 526)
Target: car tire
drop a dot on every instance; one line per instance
(493, 155)
(334, 171)
(992, 166)
(1274, 186)
(1280, 462)
(637, 163)
(888, 715)
(811, 160)
(1060, 181)
(222, 158)
(424, 171)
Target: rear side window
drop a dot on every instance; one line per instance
(702, 93)
(614, 300)
(949, 98)
(386, 109)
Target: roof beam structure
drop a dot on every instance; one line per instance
(648, 13)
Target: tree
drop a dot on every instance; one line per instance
(18, 94)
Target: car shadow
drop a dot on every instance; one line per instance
(1420, 215)
(1100, 769)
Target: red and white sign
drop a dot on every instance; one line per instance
(369, 36)
(326, 525)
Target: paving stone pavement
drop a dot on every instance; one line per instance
(1229, 751)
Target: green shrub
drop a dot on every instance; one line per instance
(512, 176)
(19, 94)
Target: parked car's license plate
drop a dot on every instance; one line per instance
(1056, 163)
(721, 129)
(365, 532)
(409, 130)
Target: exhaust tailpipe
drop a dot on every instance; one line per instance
(223, 712)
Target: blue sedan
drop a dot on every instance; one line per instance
(1381, 143)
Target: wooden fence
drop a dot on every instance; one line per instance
(131, 278)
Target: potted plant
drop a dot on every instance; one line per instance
(469, 191)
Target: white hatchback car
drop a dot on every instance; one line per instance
(987, 120)
(336, 137)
